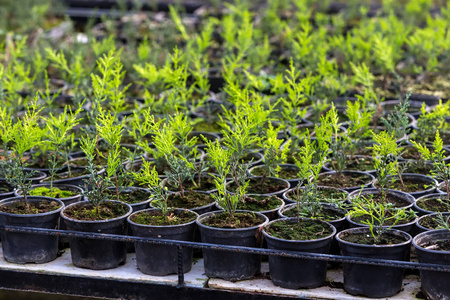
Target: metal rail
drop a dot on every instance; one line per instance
(258, 251)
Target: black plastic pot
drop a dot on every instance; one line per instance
(161, 260)
(78, 180)
(296, 273)
(369, 179)
(37, 177)
(292, 181)
(64, 187)
(271, 214)
(419, 178)
(421, 211)
(419, 222)
(404, 199)
(408, 227)
(97, 254)
(340, 224)
(373, 281)
(23, 248)
(436, 285)
(230, 265)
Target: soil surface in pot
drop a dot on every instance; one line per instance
(249, 157)
(255, 187)
(130, 196)
(323, 195)
(189, 200)
(343, 180)
(87, 212)
(437, 205)
(206, 184)
(240, 220)
(324, 214)
(157, 218)
(359, 164)
(52, 193)
(304, 230)
(82, 162)
(390, 198)
(24, 208)
(432, 222)
(415, 168)
(438, 245)
(285, 173)
(409, 185)
(258, 203)
(387, 238)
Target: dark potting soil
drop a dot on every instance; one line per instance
(189, 200)
(343, 180)
(302, 231)
(285, 173)
(249, 157)
(387, 238)
(415, 168)
(29, 208)
(438, 245)
(435, 205)
(409, 185)
(240, 220)
(130, 196)
(360, 164)
(323, 195)
(206, 184)
(258, 203)
(156, 217)
(431, 222)
(52, 193)
(256, 187)
(390, 198)
(88, 212)
(325, 214)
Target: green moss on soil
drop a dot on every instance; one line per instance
(52, 193)
(190, 200)
(302, 231)
(130, 196)
(240, 220)
(257, 203)
(156, 218)
(87, 212)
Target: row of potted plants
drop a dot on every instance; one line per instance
(379, 208)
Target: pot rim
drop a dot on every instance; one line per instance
(265, 220)
(367, 230)
(430, 233)
(156, 226)
(18, 198)
(130, 209)
(297, 241)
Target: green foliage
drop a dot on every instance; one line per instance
(57, 136)
(441, 170)
(382, 216)
(273, 154)
(385, 154)
(151, 180)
